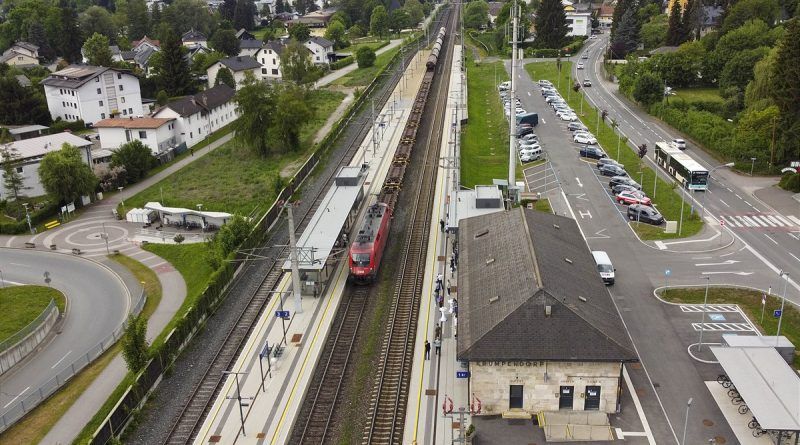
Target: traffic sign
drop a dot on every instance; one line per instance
(282, 314)
(777, 313)
(462, 374)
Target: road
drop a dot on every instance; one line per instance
(576, 189)
(773, 237)
(98, 302)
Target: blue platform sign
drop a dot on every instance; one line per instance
(777, 313)
(281, 314)
(462, 374)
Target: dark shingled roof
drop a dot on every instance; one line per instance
(250, 44)
(240, 63)
(203, 101)
(513, 264)
(275, 45)
(323, 42)
(193, 36)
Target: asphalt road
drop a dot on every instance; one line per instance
(98, 301)
(772, 237)
(670, 377)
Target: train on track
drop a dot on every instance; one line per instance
(366, 250)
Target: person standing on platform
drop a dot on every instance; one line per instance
(427, 350)
(438, 344)
(438, 331)
(448, 288)
(441, 225)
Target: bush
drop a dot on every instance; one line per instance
(60, 125)
(790, 182)
(178, 238)
(365, 57)
(541, 52)
(341, 63)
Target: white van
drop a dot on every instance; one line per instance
(535, 153)
(604, 266)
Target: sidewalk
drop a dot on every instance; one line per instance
(325, 80)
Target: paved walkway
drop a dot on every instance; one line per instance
(353, 66)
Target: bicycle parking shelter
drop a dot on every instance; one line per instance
(768, 386)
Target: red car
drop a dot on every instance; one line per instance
(629, 197)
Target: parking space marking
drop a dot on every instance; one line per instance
(719, 327)
(698, 308)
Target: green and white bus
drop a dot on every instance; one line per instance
(688, 172)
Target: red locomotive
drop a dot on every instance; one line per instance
(366, 251)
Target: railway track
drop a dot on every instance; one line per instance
(185, 425)
(390, 392)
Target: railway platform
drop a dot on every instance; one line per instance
(436, 384)
(264, 391)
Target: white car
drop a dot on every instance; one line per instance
(592, 37)
(529, 137)
(529, 157)
(543, 83)
(584, 139)
(565, 113)
(532, 146)
(504, 86)
(583, 132)
(580, 65)
(679, 143)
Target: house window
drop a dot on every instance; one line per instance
(97, 79)
(101, 103)
(98, 91)
(142, 135)
(274, 72)
(273, 61)
(123, 99)
(128, 135)
(120, 88)
(130, 110)
(19, 169)
(263, 71)
(124, 112)
(102, 115)
(191, 135)
(63, 104)
(119, 75)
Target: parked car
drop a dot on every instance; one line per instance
(504, 86)
(605, 161)
(537, 151)
(575, 126)
(568, 116)
(612, 170)
(531, 137)
(626, 180)
(580, 65)
(592, 153)
(632, 197)
(543, 83)
(529, 157)
(679, 143)
(524, 131)
(592, 37)
(587, 82)
(584, 139)
(645, 214)
(617, 189)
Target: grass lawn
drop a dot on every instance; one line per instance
(33, 427)
(697, 94)
(750, 301)
(20, 305)
(484, 42)
(190, 260)
(484, 147)
(363, 76)
(232, 178)
(374, 44)
(667, 198)
(543, 205)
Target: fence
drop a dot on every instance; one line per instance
(21, 407)
(40, 326)
(222, 278)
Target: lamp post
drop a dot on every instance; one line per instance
(122, 202)
(238, 398)
(752, 165)
(708, 184)
(104, 235)
(686, 420)
(28, 216)
(703, 320)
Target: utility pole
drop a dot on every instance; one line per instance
(512, 108)
(293, 257)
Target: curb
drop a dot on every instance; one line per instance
(733, 240)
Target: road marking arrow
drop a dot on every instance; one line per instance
(735, 273)
(725, 263)
(579, 182)
(579, 196)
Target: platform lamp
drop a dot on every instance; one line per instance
(686, 420)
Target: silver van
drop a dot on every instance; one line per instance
(604, 266)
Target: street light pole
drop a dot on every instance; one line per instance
(752, 165)
(105, 237)
(27, 216)
(686, 421)
(703, 321)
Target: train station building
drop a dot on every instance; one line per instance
(537, 328)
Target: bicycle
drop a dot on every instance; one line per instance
(758, 432)
(753, 424)
(723, 380)
(733, 392)
(738, 400)
(743, 409)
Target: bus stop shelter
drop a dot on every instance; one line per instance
(768, 385)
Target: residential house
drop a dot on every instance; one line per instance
(249, 47)
(21, 54)
(269, 56)
(157, 133)
(494, 10)
(244, 34)
(314, 19)
(138, 45)
(200, 115)
(238, 65)
(142, 58)
(192, 39)
(92, 93)
(20, 132)
(286, 17)
(712, 19)
(32, 150)
(321, 50)
(606, 16)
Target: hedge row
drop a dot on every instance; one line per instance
(48, 212)
(709, 129)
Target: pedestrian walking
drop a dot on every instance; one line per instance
(438, 344)
(191, 151)
(455, 307)
(439, 278)
(441, 225)
(438, 331)
(448, 288)
(427, 350)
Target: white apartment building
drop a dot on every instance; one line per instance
(156, 133)
(92, 93)
(269, 56)
(238, 65)
(200, 115)
(31, 151)
(579, 23)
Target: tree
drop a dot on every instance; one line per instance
(184, 15)
(648, 89)
(21, 106)
(365, 57)
(173, 75)
(336, 34)
(97, 50)
(226, 10)
(551, 24)
(13, 181)
(134, 343)
(675, 33)
(296, 63)
(758, 94)
(162, 98)
(225, 41)
(69, 35)
(355, 32)
(692, 19)
(299, 32)
(654, 32)
(244, 14)
(65, 176)
(786, 91)
(744, 10)
(293, 112)
(753, 134)
(138, 19)
(626, 38)
(224, 76)
(738, 71)
(136, 157)
(476, 14)
(269, 34)
(623, 6)
(342, 17)
(379, 22)
(279, 7)
(399, 20)
(415, 11)
(38, 36)
(98, 20)
(256, 106)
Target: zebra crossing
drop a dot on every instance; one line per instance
(762, 220)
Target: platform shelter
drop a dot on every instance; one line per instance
(324, 239)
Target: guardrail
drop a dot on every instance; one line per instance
(21, 407)
(22, 333)
(222, 278)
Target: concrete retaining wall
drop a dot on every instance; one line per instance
(16, 353)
